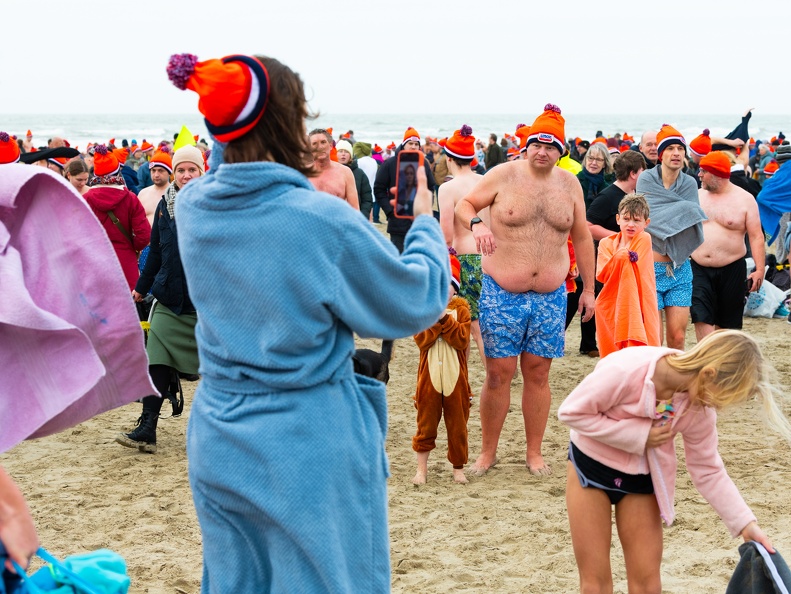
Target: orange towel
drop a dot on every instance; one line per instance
(627, 313)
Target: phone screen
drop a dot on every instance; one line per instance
(406, 182)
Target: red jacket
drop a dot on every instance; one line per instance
(131, 214)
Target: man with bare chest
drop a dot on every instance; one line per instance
(718, 266)
(331, 177)
(533, 207)
(460, 151)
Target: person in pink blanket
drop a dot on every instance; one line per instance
(624, 417)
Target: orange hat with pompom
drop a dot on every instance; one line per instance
(9, 149)
(233, 91)
(549, 128)
(667, 136)
(771, 168)
(462, 144)
(104, 161)
(701, 145)
(455, 271)
(162, 159)
(410, 134)
(522, 133)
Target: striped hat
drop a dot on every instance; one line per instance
(462, 144)
(233, 91)
(668, 135)
(410, 134)
(104, 161)
(161, 159)
(549, 128)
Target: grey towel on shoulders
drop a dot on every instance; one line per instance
(676, 226)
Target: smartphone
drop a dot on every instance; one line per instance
(407, 165)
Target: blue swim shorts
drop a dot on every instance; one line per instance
(514, 323)
(471, 281)
(673, 287)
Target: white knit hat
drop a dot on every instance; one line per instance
(344, 145)
(189, 154)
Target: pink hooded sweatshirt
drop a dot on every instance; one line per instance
(610, 414)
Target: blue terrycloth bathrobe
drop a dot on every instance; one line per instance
(285, 443)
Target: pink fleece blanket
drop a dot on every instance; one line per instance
(71, 346)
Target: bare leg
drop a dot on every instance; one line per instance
(640, 532)
(475, 330)
(590, 520)
(536, 400)
(495, 398)
(703, 330)
(458, 475)
(676, 319)
(422, 468)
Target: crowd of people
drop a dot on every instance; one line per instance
(507, 243)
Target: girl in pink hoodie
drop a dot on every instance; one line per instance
(624, 417)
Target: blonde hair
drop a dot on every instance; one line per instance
(732, 361)
(597, 148)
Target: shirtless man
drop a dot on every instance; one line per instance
(333, 178)
(460, 151)
(534, 206)
(161, 168)
(718, 266)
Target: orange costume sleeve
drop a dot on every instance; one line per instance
(627, 313)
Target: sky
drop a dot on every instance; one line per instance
(425, 56)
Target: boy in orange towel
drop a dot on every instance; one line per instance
(627, 313)
(442, 385)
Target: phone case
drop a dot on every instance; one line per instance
(403, 208)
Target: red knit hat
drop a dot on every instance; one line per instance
(770, 168)
(410, 134)
(717, 163)
(549, 128)
(104, 161)
(455, 272)
(666, 136)
(162, 159)
(522, 133)
(9, 149)
(233, 91)
(701, 145)
(462, 144)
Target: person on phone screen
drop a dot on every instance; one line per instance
(407, 188)
(386, 178)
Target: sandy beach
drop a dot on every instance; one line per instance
(504, 532)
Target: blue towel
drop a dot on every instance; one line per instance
(759, 572)
(774, 199)
(285, 443)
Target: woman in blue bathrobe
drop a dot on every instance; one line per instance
(285, 443)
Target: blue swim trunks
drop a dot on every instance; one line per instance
(471, 281)
(514, 323)
(673, 287)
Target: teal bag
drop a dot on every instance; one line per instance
(98, 572)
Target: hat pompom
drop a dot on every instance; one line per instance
(466, 130)
(4, 137)
(520, 126)
(551, 107)
(180, 68)
(452, 251)
(101, 149)
(706, 132)
(165, 149)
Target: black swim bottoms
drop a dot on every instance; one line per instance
(615, 484)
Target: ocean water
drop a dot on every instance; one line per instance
(80, 129)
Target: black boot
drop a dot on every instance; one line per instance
(144, 436)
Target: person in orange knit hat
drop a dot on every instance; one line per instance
(9, 149)
(523, 294)
(442, 387)
(626, 308)
(460, 151)
(718, 264)
(160, 170)
(676, 230)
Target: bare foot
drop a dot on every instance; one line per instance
(458, 475)
(538, 467)
(420, 477)
(482, 465)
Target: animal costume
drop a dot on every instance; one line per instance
(442, 384)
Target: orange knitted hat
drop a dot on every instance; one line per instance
(717, 163)
(522, 133)
(455, 271)
(549, 128)
(668, 135)
(104, 161)
(161, 159)
(233, 91)
(462, 144)
(9, 149)
(770, 168)
(701, 145)
(410, 134)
